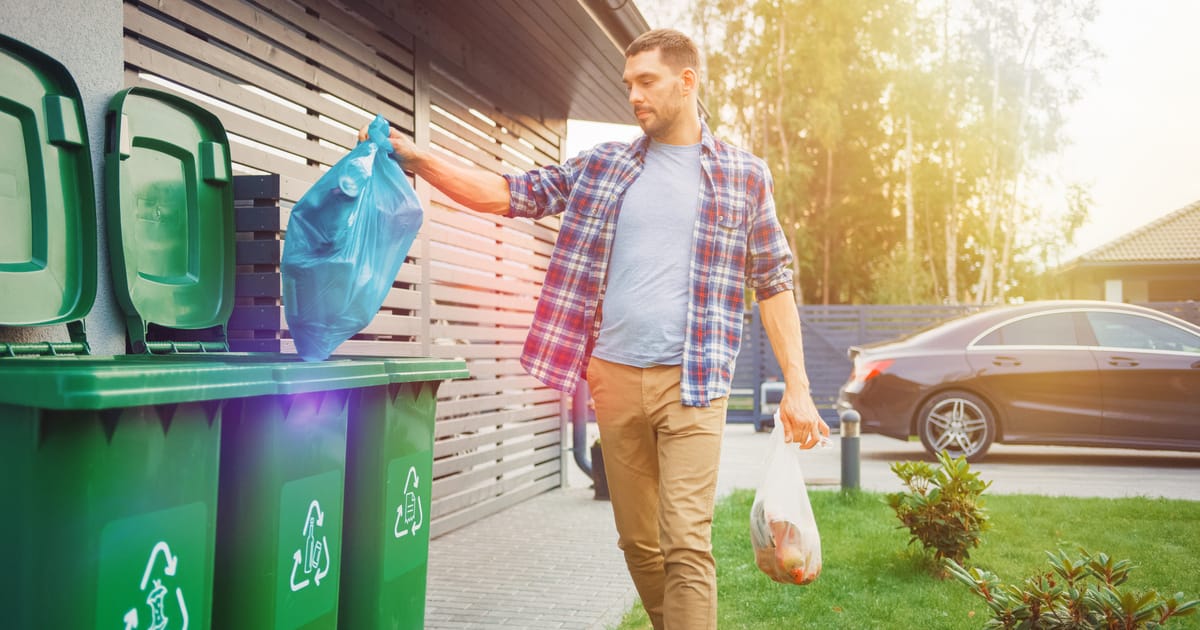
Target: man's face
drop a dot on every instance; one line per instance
(655, 91)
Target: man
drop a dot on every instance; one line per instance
(645, 293)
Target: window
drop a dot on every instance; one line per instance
(1135, 332)
(1054, 329)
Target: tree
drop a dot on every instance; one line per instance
(905, 136)
(1034, 51)
(799, 83)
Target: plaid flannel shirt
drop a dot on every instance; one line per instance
(738, 241)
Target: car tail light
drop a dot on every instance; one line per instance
(867, 370)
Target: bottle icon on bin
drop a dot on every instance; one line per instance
(410, 515)
(312, 548)
(314, 553)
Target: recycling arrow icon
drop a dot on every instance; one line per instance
(156, 599)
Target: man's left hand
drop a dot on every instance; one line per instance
(801, 421)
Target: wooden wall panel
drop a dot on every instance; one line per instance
(511, 445)
(292, 81)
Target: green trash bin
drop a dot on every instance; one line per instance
(388, 477)
(111, 469)
(298, 485)
(112, 473)
(283, 474)
(283, 453)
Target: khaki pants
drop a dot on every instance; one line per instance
(661, 461)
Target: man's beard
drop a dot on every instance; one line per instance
(663, 118)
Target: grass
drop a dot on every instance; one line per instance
(740, 403)
(873, 579)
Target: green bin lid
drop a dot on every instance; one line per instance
(289, 373)
(421, 369)
(300, 377)
(47, 199)
(170, 212)
(111, 382)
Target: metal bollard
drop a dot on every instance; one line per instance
(850, 449)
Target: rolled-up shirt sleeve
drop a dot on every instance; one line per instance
(768, 256)
(543, 191)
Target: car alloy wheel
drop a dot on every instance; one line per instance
(959, 423)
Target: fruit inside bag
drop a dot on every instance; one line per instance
(787, 546)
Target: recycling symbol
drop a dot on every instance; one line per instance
(410, 515)
(158, 595)
(307, 560)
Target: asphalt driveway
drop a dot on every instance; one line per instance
(1045, 470)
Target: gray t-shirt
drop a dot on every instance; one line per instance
(645, 304)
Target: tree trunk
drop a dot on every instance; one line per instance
(779, 119)
(951, 225)
(910, 247)
(827, 215)
(909, 220)
(951, 261)
(933, 271)
(1006, 255)
(951, 229)
(991, 197)
(784, 151)
(1010, 216)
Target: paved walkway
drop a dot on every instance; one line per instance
(552, 561)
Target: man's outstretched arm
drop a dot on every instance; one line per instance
(476, 188)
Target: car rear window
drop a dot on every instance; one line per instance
(1122, 330)
(1053, 329)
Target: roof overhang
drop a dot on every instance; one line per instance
(552, 59)
(1088, 265)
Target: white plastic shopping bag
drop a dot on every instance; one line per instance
(787, 546)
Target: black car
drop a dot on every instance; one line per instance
(1076, 373)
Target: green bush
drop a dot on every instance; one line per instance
(1075, 594)
(941, 508)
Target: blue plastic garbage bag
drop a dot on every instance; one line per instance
(346, 240)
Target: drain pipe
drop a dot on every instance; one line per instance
(579, 419)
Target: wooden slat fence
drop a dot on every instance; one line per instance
(292, 81)
(1187, 311)
(830, 330)
(504, 442)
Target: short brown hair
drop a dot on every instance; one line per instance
(677, 50)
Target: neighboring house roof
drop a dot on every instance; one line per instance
(1172, 238)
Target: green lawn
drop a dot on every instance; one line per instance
(873, 579)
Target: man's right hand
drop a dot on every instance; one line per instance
(406, 151)
(476, 188)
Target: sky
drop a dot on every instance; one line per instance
(1135, 133)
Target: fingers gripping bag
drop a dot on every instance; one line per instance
(787, 546)
(345, 242)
